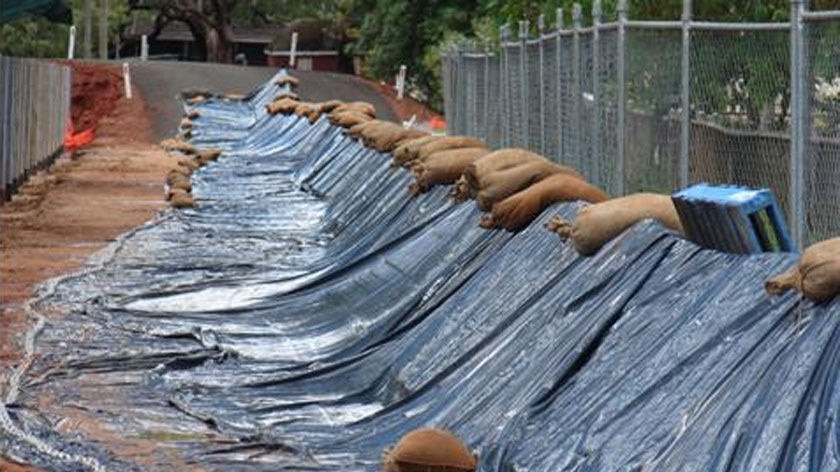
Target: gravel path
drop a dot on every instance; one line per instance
(162, 81)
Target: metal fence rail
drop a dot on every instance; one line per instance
(657, 105)
(34, 105)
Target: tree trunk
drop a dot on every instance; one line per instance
(219, 44)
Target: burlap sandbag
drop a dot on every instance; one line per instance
(329, 105)
(356, 130)
(183, 183)
(177, 145)
(407, 151)
(443, 167)
(186, 123)
(361, 107)
(233, 96)
(180, 198)
(505, 159)
(189, 164)
(501, 184)
(287, 95)
(307, 110)
(817, 275)
(287, 80)
(284, 105)
(385, 137)
(429, 450)
(348, 119)
(179, 171)
(519, 210)
(447, 142)
(193, 114)
(196, 99)
(176, 178)
(207, 155)
(461, 190)
(597, 224)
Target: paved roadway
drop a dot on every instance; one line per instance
(161, 82)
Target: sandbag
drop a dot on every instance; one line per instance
(206, 155)
(447, 142)
(348, 119)
(196, 99)
(183, 183)
(282, 105)
(518, 210)
(503, 183)
(233, 96)
(461, 190)
(329, 105)
(597, 224)
(356, 130)
(817, 275)
(189, 164)
(407, 151)
(505, 159)
(386, 136)
(443, 167)
(429, 450)
(186, 123)
(180, 198)
(309, 111)
(177, 145)
(361, 107)
(288, 95)
(193, 114)
(287, 80)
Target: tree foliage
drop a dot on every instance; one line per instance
(37, 37)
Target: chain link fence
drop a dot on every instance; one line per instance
(657, 105)
(34, 105)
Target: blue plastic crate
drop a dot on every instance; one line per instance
(733, 219)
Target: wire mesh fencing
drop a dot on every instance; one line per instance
(34, 105)
(657, 105)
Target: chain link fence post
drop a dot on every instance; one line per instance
(488, 80)
(685, 95)
(503, 86)
(561, 153)
(523, 83)
(577, 13)
(541, 29)
(621, 96)
(597, 100)
(799, 117)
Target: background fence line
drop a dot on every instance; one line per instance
(656, 105)
(34, 106)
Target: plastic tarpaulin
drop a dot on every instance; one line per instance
(309, 313)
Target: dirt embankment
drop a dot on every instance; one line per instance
(65, 213)
(81, 203)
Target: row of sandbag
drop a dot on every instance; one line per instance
(515, 185)
(189, 158)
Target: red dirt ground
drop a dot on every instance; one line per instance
(81, 203)
(96, 90)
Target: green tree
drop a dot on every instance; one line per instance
(36, 37)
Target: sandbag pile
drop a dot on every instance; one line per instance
(816, 276)
(596, 225)
(443, 167)
(517, 211)
(189, 159)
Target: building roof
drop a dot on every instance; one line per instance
(179, 31)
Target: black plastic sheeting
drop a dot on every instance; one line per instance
(309, 313)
